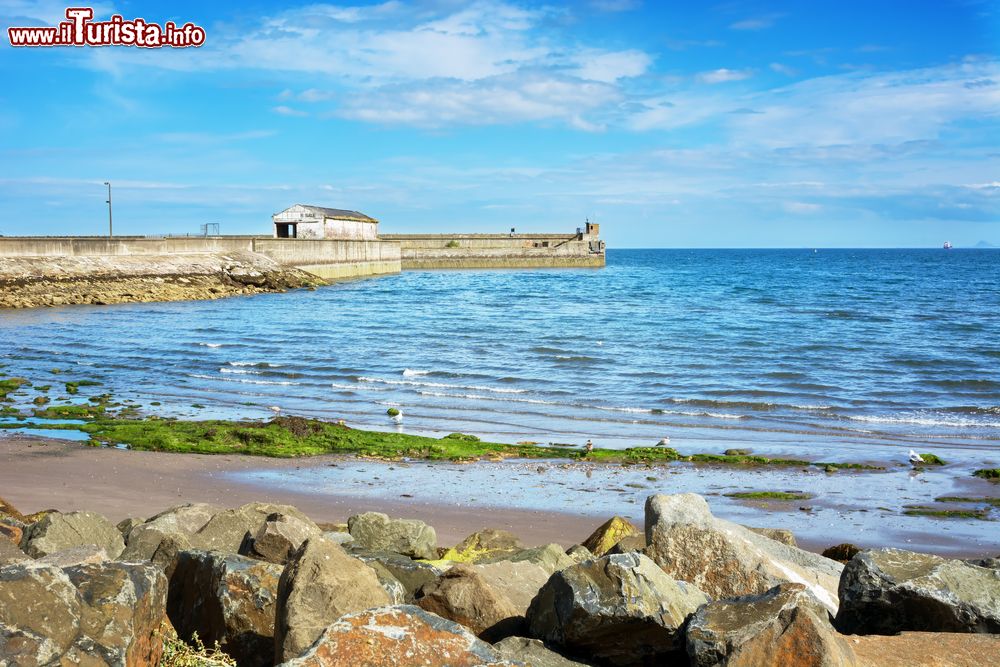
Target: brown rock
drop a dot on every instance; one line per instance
(57, 531)
(278, 538)
(401, 636)
(8, 511)
(519, 581)
(11, 553)
(320, 584)
(461, 595)
(636, 542)
(785, 626)
(842, 552)
(926, 649)
(124, 607)
(87, 554)
(225, 530)
(11, 532)
(40, 632)
(725, 559)
(227, 599)
(778, 535)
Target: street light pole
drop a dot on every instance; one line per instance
(111, 229)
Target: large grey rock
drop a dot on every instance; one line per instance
(410, 573)
(227, 599)
(375, 531)
(725, 559)
(99, 614)
(162, 536)
(320, 584)
(532, 652)
(782, 535)
(886, 591)
(462, 595)
(550, 557)
(634, 542)
(484, 544)
(590, 609)
(400, 636)
(87, 554)
(579, 553)
(784, 626)
(58, 532)
(225, 530)
(123, 611)
(519, 581)
(40, 632)
(11, 553)
(278, 538)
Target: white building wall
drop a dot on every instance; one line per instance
(350, 229)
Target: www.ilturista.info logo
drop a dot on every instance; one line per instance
(80, 30)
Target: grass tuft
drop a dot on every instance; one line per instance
(770, 495)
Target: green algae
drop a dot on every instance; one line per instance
(983, 500)
(992, 474)
(769, 495)
(921, 510)
(10, 385)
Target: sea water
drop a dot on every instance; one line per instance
(841, 353)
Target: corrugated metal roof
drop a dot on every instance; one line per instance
(339, 213)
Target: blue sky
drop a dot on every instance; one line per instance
(727, 124)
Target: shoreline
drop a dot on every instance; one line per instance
(41, 473)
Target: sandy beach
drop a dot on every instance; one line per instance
(39, 473)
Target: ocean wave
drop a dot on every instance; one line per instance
(239, 371)
(212, 345)
(931, 420)
(410, 372)
(277, 383)
(442, 385)
(254, 364)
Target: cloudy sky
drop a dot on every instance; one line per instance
(830, 123)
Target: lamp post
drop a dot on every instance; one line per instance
(111, 229)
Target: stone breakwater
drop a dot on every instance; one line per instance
(266, 585)
(27, 282)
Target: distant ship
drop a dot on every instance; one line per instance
(947, 245)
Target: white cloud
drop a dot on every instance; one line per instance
(756, 22)
(783, 69)
(288, 111)
(609, 66)
(724, 75)
(799, 207)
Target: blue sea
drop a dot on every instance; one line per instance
(843, 352)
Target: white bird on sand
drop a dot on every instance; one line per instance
(663, 442)
(915, 458)
(274, 408)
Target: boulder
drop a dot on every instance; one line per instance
(410, 573)
(778, 535)
(41, 632)
(11, 553)
(228, 599)
(278, 538)
(725, 559)
(886, 591)
(532, 652)
(11, 532)
(636, 542)
(375, 531)
(519, 581)
(550, 557)
(338, 537)
(391, 585)
(785, 626)
(320, 584)
(462, 595)
(87, 554)
(590, 607)
(58, 531)
(484, 544)
(940, 649)
(608, 534)
(842, 553)
(400, 636)
(124, 607)
(162, 536)
(125, 526)
(579, 553)
(226, 530)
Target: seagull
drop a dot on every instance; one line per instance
(275, 409)
(398, 417)
(663, 442)
(915, 458)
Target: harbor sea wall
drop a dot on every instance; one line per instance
(483, 251)
(325, 258)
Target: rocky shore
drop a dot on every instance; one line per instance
(263, 584)
(29, 282)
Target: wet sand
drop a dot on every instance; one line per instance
(42, 473)
(530, 498)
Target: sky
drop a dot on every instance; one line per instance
(868, 123)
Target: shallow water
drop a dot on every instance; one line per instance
(837, 352)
